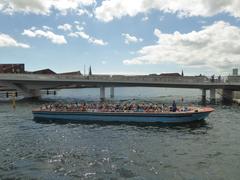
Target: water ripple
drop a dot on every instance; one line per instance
(30, 150)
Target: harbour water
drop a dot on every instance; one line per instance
(30, 150)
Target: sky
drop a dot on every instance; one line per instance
(122, 36)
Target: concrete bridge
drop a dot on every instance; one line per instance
(31, 84)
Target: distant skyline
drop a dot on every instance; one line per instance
(122, 36)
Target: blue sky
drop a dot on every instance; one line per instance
(122, 36)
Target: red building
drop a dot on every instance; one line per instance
(12, 68)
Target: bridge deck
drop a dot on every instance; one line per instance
(52, 81)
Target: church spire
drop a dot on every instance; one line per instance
(90, 71)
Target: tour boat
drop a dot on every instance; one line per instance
(196, 114)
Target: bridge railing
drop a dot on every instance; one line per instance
(233, 79)
(39, 76)
(185, 79)
(166, 79)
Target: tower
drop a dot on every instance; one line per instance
(90, 71)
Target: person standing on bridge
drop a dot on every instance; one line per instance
(219, 78)
(212, 78)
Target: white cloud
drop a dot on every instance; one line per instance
(45, 28)
(145, 18)
(81, 12)
(96, 41)
(89, 38)
(1, 6)
(68, 27)
(79, 28)
(73, 34)
(33, 28)
(54, 38)
(65, 27)
(87, 2)
(110, 9)
(216, 46)
(83, 35)
(131, 39)
(43, 7)
(8, 41)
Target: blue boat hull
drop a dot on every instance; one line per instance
(89, 117)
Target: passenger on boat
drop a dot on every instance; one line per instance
(108, 107)
(174, 106)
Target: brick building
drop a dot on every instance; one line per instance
(12, 68)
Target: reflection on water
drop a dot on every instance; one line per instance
(129, 94)
(191, 125)
(205, 150)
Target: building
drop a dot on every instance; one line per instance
(71, 73)
(12, 68)
(44, 71)
(171, 74)
(235, 72)
(154, 74)
(90, 71)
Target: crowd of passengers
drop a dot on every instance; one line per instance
(108, 107)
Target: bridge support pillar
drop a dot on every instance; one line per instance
(112, 92)
(212, 96)
(102, 93)
(227, 96)
(204, 93)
